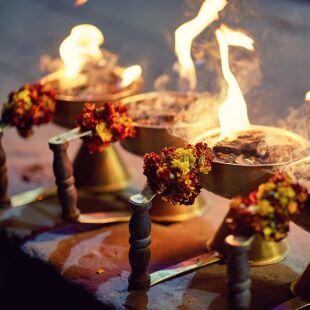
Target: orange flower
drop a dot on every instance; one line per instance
(32, 104)
(173, 173)
(108, 122)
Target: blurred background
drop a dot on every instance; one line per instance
(273, 80)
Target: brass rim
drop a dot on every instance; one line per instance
(122, 93)
(196, 210)
(150, 95)
(271, 260)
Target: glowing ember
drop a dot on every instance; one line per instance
(79, 2)
(187, 32)
(82, 45)
(130, 74)
(233, 111)
(307, 96)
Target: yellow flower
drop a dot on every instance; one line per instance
(286, 191)
(283, 201)
(267, 231)
(279, 235)
(103, 132)
(265, 208)
(183, 166)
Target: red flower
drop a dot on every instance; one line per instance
(173, 173)
(108, 122)
(32, 104)
(268, 210)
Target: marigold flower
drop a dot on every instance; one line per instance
(32, 104)
(108, 122)
(268, 210)
(174, 172)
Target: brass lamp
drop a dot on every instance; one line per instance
(230, 179)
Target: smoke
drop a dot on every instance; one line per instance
(297, 120)
(300, 172)
(201, 116)
(48, 64)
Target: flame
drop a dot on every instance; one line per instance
(233, 114)
(130, 74)
(187, 32)
(79, 2)
(79, 47)
(307, 96)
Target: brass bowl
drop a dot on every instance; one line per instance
(69, 107)
(230, 179)
(153, 138)
(97, 173)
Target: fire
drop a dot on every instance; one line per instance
(307, 96)
(130, 74)
(82, 45)
(233, 114)
(187, 32)
(79, 2)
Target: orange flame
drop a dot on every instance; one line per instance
(79, 2)
(307, 96)
(130, 74)
(187, 32)
(233, 114)
(79, 47)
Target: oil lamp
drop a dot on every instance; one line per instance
(153, 136)
(91, 74)
(300, 172)
(155, 114)
(232, 175)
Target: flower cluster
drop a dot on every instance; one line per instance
(174, 172)
(32, 104)
(268, 210)
(108, 122)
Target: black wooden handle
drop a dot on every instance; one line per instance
(66, 190)
(140, 241)
(238, 269)
(4, 199)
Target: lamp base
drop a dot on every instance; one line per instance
(100, 172)
(261, 253)
(165, 212)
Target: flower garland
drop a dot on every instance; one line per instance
(268, 210)
(32, 104)
(108, 122)
(174, 172)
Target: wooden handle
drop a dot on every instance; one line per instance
(140, 241)
(239, 282)
(4, 199)
(63, 171)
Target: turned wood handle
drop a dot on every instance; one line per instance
(238, 269)
(140, 241)
(3, 176)
(66, 190)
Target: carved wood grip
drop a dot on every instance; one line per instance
(3, 176)
(239, 282)
(63, 171)
(140, 241)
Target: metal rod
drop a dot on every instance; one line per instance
(184, 267)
